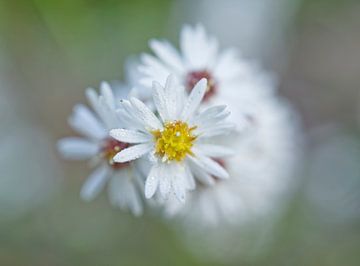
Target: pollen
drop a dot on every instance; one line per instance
(109, 149)
(175, 141)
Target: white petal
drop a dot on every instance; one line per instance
(93, 99)
(213, 167)
(77, 148)
(167, 53)
(229, 65)
(201, 175)
(142, 167)
(190, 180)
(181, 95)
(134, 199)
(136, 206)
(152, 69)
(170, 91)
(206, 123)
(160, 101)
(94, 183)
(124, 193)
(103, 105)
(107, 114)
(125, 119)
(108, 95)
(132, 153)
(210, 166)
(126, 114)
(204, 178)
(212, 150)
(83, 121)
(143, 113)
(164, 180)
(194, 99)
(117, 187)
(199, 50)
(179, 185)
(215, 113)
(215, 130)
(129, 136)
(208, 113)
(152, 181)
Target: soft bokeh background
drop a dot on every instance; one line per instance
(51, 50)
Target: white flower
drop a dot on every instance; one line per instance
(176, 143)
(96, 145)
(229, 76)
(199, 57)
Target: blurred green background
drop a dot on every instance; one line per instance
(50, 51)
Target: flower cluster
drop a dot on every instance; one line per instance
(172, 140)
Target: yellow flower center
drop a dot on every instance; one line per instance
(174, 142)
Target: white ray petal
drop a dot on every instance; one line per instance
(132, 153)
(190, 180)
(107, 114)
(167, 53)
(124, 193)
(128, 114)
(210, 166)
(77, 148)
(103, 105)
(199, 49)
(117, 188)
(202, 176)
(143, 113)
(94, 183)
(179, 185)
(205, 178)
(160, 101)
(210, 121)
(215, 130)
(127, 120)
(153, 69)
(229, 65)
(129, 136)
(107, 93)
(84, 122)
(164, 180)
(152, 181)
(208, 113)
(133, 198)
(194, 99)
(93, 99)
(170, 91)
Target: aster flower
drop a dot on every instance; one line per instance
(199, 57)
(177, 141)
(97, 146)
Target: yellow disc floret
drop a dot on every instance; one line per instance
(174, 142)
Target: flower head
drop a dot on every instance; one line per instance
(199, 57)
(178, 141)
(97, 145)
